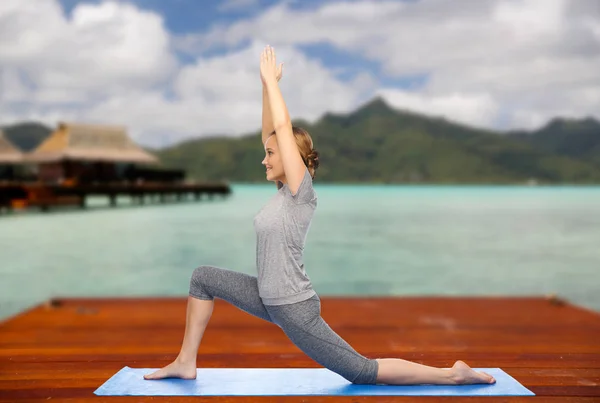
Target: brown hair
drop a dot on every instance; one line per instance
(309, 155)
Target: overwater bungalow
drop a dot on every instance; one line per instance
(80, 160)
(82, 153)
(11, 160)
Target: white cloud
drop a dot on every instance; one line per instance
(515, 61)
(102, 50)
(344, 25)
(223, 95)
(540, 51)
(112, 63)
(12, 87)
(478, 109)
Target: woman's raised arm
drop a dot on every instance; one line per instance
(293, 165)
(267, 119)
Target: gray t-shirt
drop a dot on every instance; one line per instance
(281, 227)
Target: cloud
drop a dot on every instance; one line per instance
(515, 52)
(342, 24)
(223, 95)
(478, 109)
(101, 50)
(113, 63)
(498, 63)
(56, 68)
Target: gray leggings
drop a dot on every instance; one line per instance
(301, 321)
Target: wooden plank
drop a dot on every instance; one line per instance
(79, 396)
(22, 195)
(277, 360)
(98, 371)
(65, 349)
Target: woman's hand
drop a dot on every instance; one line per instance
(268, 66)
(280, 71)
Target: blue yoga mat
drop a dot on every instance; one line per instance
(289, 381)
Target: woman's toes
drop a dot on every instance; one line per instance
(490, 378)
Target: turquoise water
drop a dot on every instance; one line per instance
(364, 240)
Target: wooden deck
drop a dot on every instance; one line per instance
(64, 350)
(46, 196)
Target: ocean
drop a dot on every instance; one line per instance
(364, 240)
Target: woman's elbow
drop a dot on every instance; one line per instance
(282, 124)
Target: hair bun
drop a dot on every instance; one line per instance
(313, 159)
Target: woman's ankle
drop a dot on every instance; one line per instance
(186, 360)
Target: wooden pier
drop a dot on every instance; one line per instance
(45, 196)
(78, 160)
(65, 349)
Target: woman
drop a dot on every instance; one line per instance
(282, 293)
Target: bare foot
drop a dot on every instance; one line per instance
(176, 369)
(464, 375)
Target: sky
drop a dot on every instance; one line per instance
(179, 69)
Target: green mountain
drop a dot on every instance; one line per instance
(26, 136)
(569, 137)
(378, 144)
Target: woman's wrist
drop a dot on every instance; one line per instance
(270, 83)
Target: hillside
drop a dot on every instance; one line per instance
(569, 137)
(26, 135)
(378, 144)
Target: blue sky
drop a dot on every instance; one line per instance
(182, 16)
(171, 70)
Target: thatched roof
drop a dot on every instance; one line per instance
(91, 143)
(9, 153)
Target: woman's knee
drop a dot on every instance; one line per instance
(199, 281)
(199, 274)
(368, 373)
(313, 336)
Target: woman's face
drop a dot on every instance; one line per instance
(272, 160)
